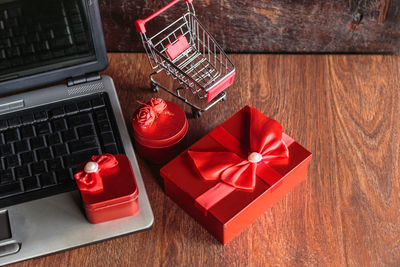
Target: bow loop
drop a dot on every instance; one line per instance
(90, 179)
(105, 161)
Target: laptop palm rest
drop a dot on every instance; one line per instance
(7, 246)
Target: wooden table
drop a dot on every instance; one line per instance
(343, 108)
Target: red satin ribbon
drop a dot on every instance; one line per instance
(92, 182)
(232, 167)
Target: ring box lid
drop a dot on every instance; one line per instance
(168, 128)
(119, 185)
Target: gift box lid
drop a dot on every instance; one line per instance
(119, 185)
(167, 129)
(181, 172)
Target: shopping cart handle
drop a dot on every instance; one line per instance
(140, 23)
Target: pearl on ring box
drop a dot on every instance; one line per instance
(91, 167)
(254, 157)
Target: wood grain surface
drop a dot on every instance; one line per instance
(363, 26)
(344, 109)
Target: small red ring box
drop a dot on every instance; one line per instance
(119, 197)
(165, 138)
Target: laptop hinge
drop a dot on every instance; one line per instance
(90, 77)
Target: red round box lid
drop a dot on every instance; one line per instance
(167, 129)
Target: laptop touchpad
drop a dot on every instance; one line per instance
(7, 247)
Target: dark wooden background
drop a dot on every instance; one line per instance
(343, 108)
(299, 26)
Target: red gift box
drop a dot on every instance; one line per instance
(161, 138)
(108, 188)
(234, 174)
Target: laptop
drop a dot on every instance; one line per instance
(46, 132)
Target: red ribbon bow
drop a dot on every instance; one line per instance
(90, 179)
(238, 166)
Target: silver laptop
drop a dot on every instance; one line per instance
(46, 133)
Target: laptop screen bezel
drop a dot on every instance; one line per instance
(98, 64)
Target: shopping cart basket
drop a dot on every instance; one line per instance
(187, 52)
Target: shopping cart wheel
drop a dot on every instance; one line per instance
(155, 87)
(196, 113)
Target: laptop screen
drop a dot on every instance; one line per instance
(38, 36)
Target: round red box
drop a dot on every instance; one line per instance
(165, 138)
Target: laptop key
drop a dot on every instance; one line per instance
(70, 51)
(80, 38)
(111, 149)
(42, 47)
(78, 120)
(37, 142)
(83, 106)
(61, 42)
(57, 112)
(21, 172)
(29, 60)
(10, 189)
(107, 138)
(14, 121)
(85, 131)
(60, 150)
(83, 144)
(76, 19)
(11, 161)
(17, 62)
(27, 131)
(30, 183)
(6, 176)
(27, 157)
(46, 56)
(71, 109)
(40, 115)
(38, 168)
(54, 164)
(46, 179)
(14, 12)
(27, 49)
(6, 149)
(11, 135)
(77, 28)
(42, 128)
(43, 154)
(12, 52)
(63, 176)
(101, 115)
(21, 146)
(98, 103)
(59, 125)
(18, 40)
(69, 135)
(27, 118)
(83, 48)
(104, 126)
(53, 139)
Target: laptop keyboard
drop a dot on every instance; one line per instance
(39, 31)
(40, 148)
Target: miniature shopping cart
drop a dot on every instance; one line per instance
(187, 52)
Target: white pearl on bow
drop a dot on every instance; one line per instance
(91, 167)
(254, 157)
